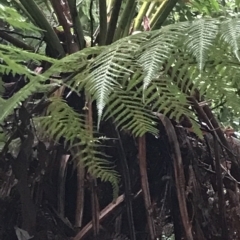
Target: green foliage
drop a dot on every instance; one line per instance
(108, 70)
(129, 113)
(77, 61)
(152, 57)
(62, 121)
(156, 55)
(84, 12)
(12, 59)
(12, 17)
(231, 35)
(133, 78)
(202, 34)
(208, 7)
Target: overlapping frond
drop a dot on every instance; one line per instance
(231, 35)
(200, 38)
(76, 61)
(7, 106)
(129, 113)
(62, 121)
(12, 17)
(153, 53)
(12, 62)
(109, 68)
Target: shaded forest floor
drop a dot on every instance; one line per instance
(201, 189)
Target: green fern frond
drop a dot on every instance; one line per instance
(76, 61)
(153, 53)
(13, 66)
(13, 57)
(230, 30)
(12, 17)
(98, 166)
(62, 121)
(164, 96)
(129, 113)
(180, 51)
(7, 106)
(20, 55)
(200, 38)
(107, 70)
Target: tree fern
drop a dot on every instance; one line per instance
(163, 65)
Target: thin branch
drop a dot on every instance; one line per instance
(95, 206)
(162, 14)
(20, 34)
(127, 184)
(93, 182)
(142, 12)
(219, 132)
(179, 175)
(113, 21)
(207, 116)
(61, 183)
(222, 208)
(103, 215)
(103, 21)
(89, 125)
(80, 191)
(145, 186)
(124, 19)
(91, 21)
(16, 42)
(64, 23)
(158, 13)
(50, 36)
(77, 26)
(129, 21)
